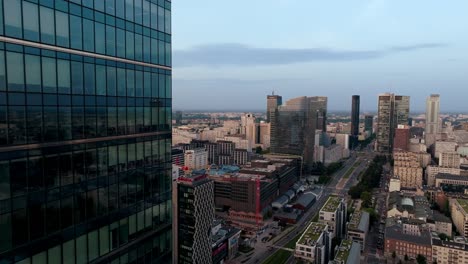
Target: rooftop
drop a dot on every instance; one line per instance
(343, 251)
(359, 221)
(312, 233)
(332, 204)
(464, 204)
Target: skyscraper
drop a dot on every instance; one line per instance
(293, 128)
(355, 116)
(273, 101)
(368, 123)
(432, 118)
(85, 131)
(320, 103)
(194, 212)
(393, 110)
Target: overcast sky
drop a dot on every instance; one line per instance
(231, 54)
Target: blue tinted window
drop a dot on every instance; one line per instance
(33, 73)
(89, 83)
(2, 71)
(99, 5)
(100, 80)
(63, 76)
(88, 37)
(100, 38)
(120, 43)
(138, 11)
(111, 81)
(120, 8)
(15, 71)
(110, 7)
(130, 83)
(47, 25)
(138, 47)
(13, 18)
(49, 75)
(154, 16)
(30, 21)
(76, 32)
(77, 77)
(61, 28)
(121, 82)
(146, 13)
(129, 10)
(110, 40)
(130, 45)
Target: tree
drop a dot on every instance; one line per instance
(393, 256)
(406, 257)
(366, 198)
(443, 236)
(258, 150)
(420, 259)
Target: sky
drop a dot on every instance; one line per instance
(228, 55)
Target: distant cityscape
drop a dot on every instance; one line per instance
(99, 165)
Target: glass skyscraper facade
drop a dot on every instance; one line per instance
(85, 131)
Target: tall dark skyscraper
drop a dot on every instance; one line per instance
(293, 128)
(85, 131)
(355, 116)
(273, 101)
(393, 110)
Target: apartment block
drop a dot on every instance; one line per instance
(459, 212)
(314, 246)
(333, 213)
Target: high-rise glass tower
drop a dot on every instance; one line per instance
(293, 128)
(355, 116)
(273, 101)
(393, 110)
(85, 136)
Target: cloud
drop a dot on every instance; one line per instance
(232, 54)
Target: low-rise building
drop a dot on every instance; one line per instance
(402, 244)
(333, 213)
(459, 212)
(432, 171)
(449, 160)
(449, 252)
(440, 224)
(347, 253)
(358, 228)
(314, 246)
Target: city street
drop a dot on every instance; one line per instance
(264, 250)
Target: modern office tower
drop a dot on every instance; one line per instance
(402, 138)
(355, 116)
(321, 104)
(369, 123)
(85, 131)
(393, 110)
(293, 128)
(194, 212)
(432, 118)
(178, 117)
(273, 101)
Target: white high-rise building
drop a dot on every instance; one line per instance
(432, 118)
(196, 159)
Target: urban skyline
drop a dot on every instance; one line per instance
(279, 46)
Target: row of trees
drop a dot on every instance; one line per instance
(326, 172)
(369, 180)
